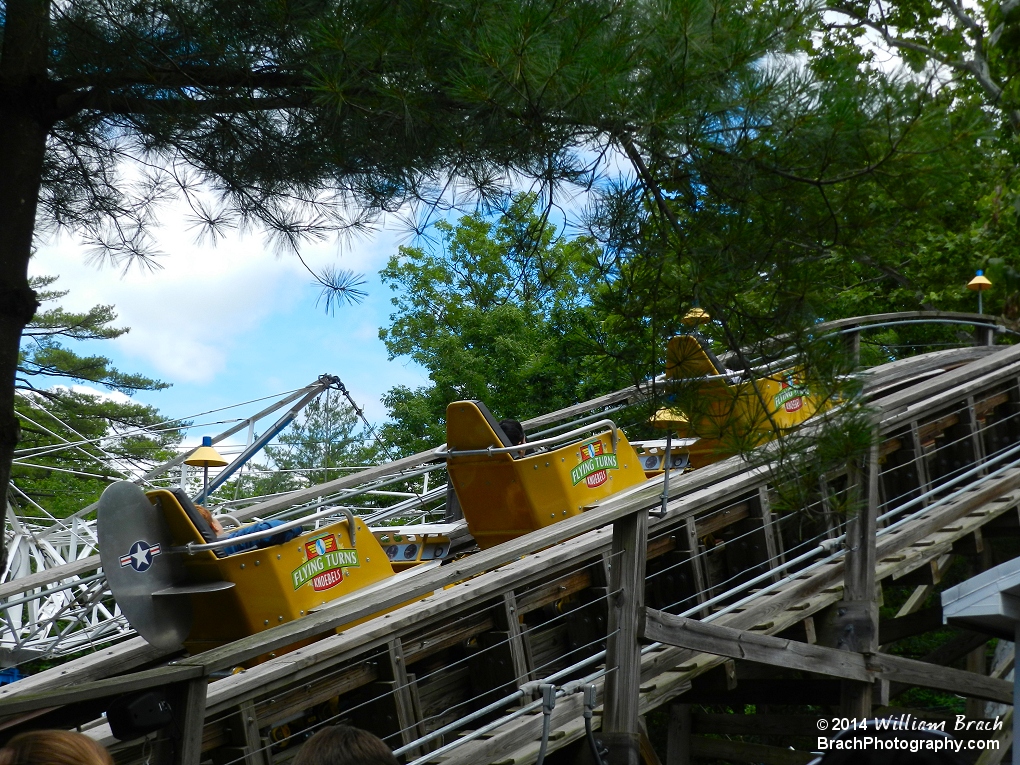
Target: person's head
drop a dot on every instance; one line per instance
(514, 431)
(53, 747)
(344, 745)
(210, 519)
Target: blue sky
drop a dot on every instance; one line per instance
(234, 321)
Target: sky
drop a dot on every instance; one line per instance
(233, 321)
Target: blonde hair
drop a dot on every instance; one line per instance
(53, 747)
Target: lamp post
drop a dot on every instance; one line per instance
(205, 457)
(979, 284)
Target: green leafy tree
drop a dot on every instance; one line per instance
(970, 50)
(294, 117)
(498, 310)
(73, 442)
(297, 117)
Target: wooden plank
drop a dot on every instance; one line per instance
(623, 653)
(914, 603)
(402, 697)
(518, 651)
(773, 535)
(695, 560)
(929, 431)
(99, 689)
(720, 519)
(121, 657)
(983, 407)
(917, 623)
(285, 706)
(360, 605)
(739, 644)
(678, 735)
(188, 727)
(647, 751)
(920, 464)
(928, 524)
(856, 617)
(549, 592)
(255, 755)
(421, 646)
(950, 387)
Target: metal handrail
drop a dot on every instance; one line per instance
(569, 435)
(191, 548)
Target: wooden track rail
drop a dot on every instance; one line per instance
(728, 586)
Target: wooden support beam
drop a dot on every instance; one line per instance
(623, 653)
(519, 652)
(852, 346)
(913, 603)
(917, 623)
(189, 721)
(100, 689)
(648, 754)
(810, 692)
(244, 732)
(975, 663)
(407, 717)
(920, 463)
(773, 537)
(857, 614)
(720, 519)
(847, 665)
(1004, 738)
(696, 562)
(678, 735)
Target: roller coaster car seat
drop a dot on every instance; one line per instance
(200, 600)
(728, 414)
(508, 494)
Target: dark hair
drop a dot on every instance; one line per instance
(514, 431)
(344, 745)
(54, 747)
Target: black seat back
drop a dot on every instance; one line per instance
(493, 423)
(194, 516)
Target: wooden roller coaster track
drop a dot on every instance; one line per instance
(711, 602)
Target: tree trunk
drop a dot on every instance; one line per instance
(25, 120)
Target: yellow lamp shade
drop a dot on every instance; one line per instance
(696, 316)
(667, 418)
(979, 283)
(205, 455)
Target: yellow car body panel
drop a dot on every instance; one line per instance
(275, 584)
(505, 495)
(726, 417)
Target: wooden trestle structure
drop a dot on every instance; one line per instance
(719, 600)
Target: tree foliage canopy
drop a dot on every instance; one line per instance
(499, 310)
(73, 442)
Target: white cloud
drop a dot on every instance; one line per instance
(186, 316)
